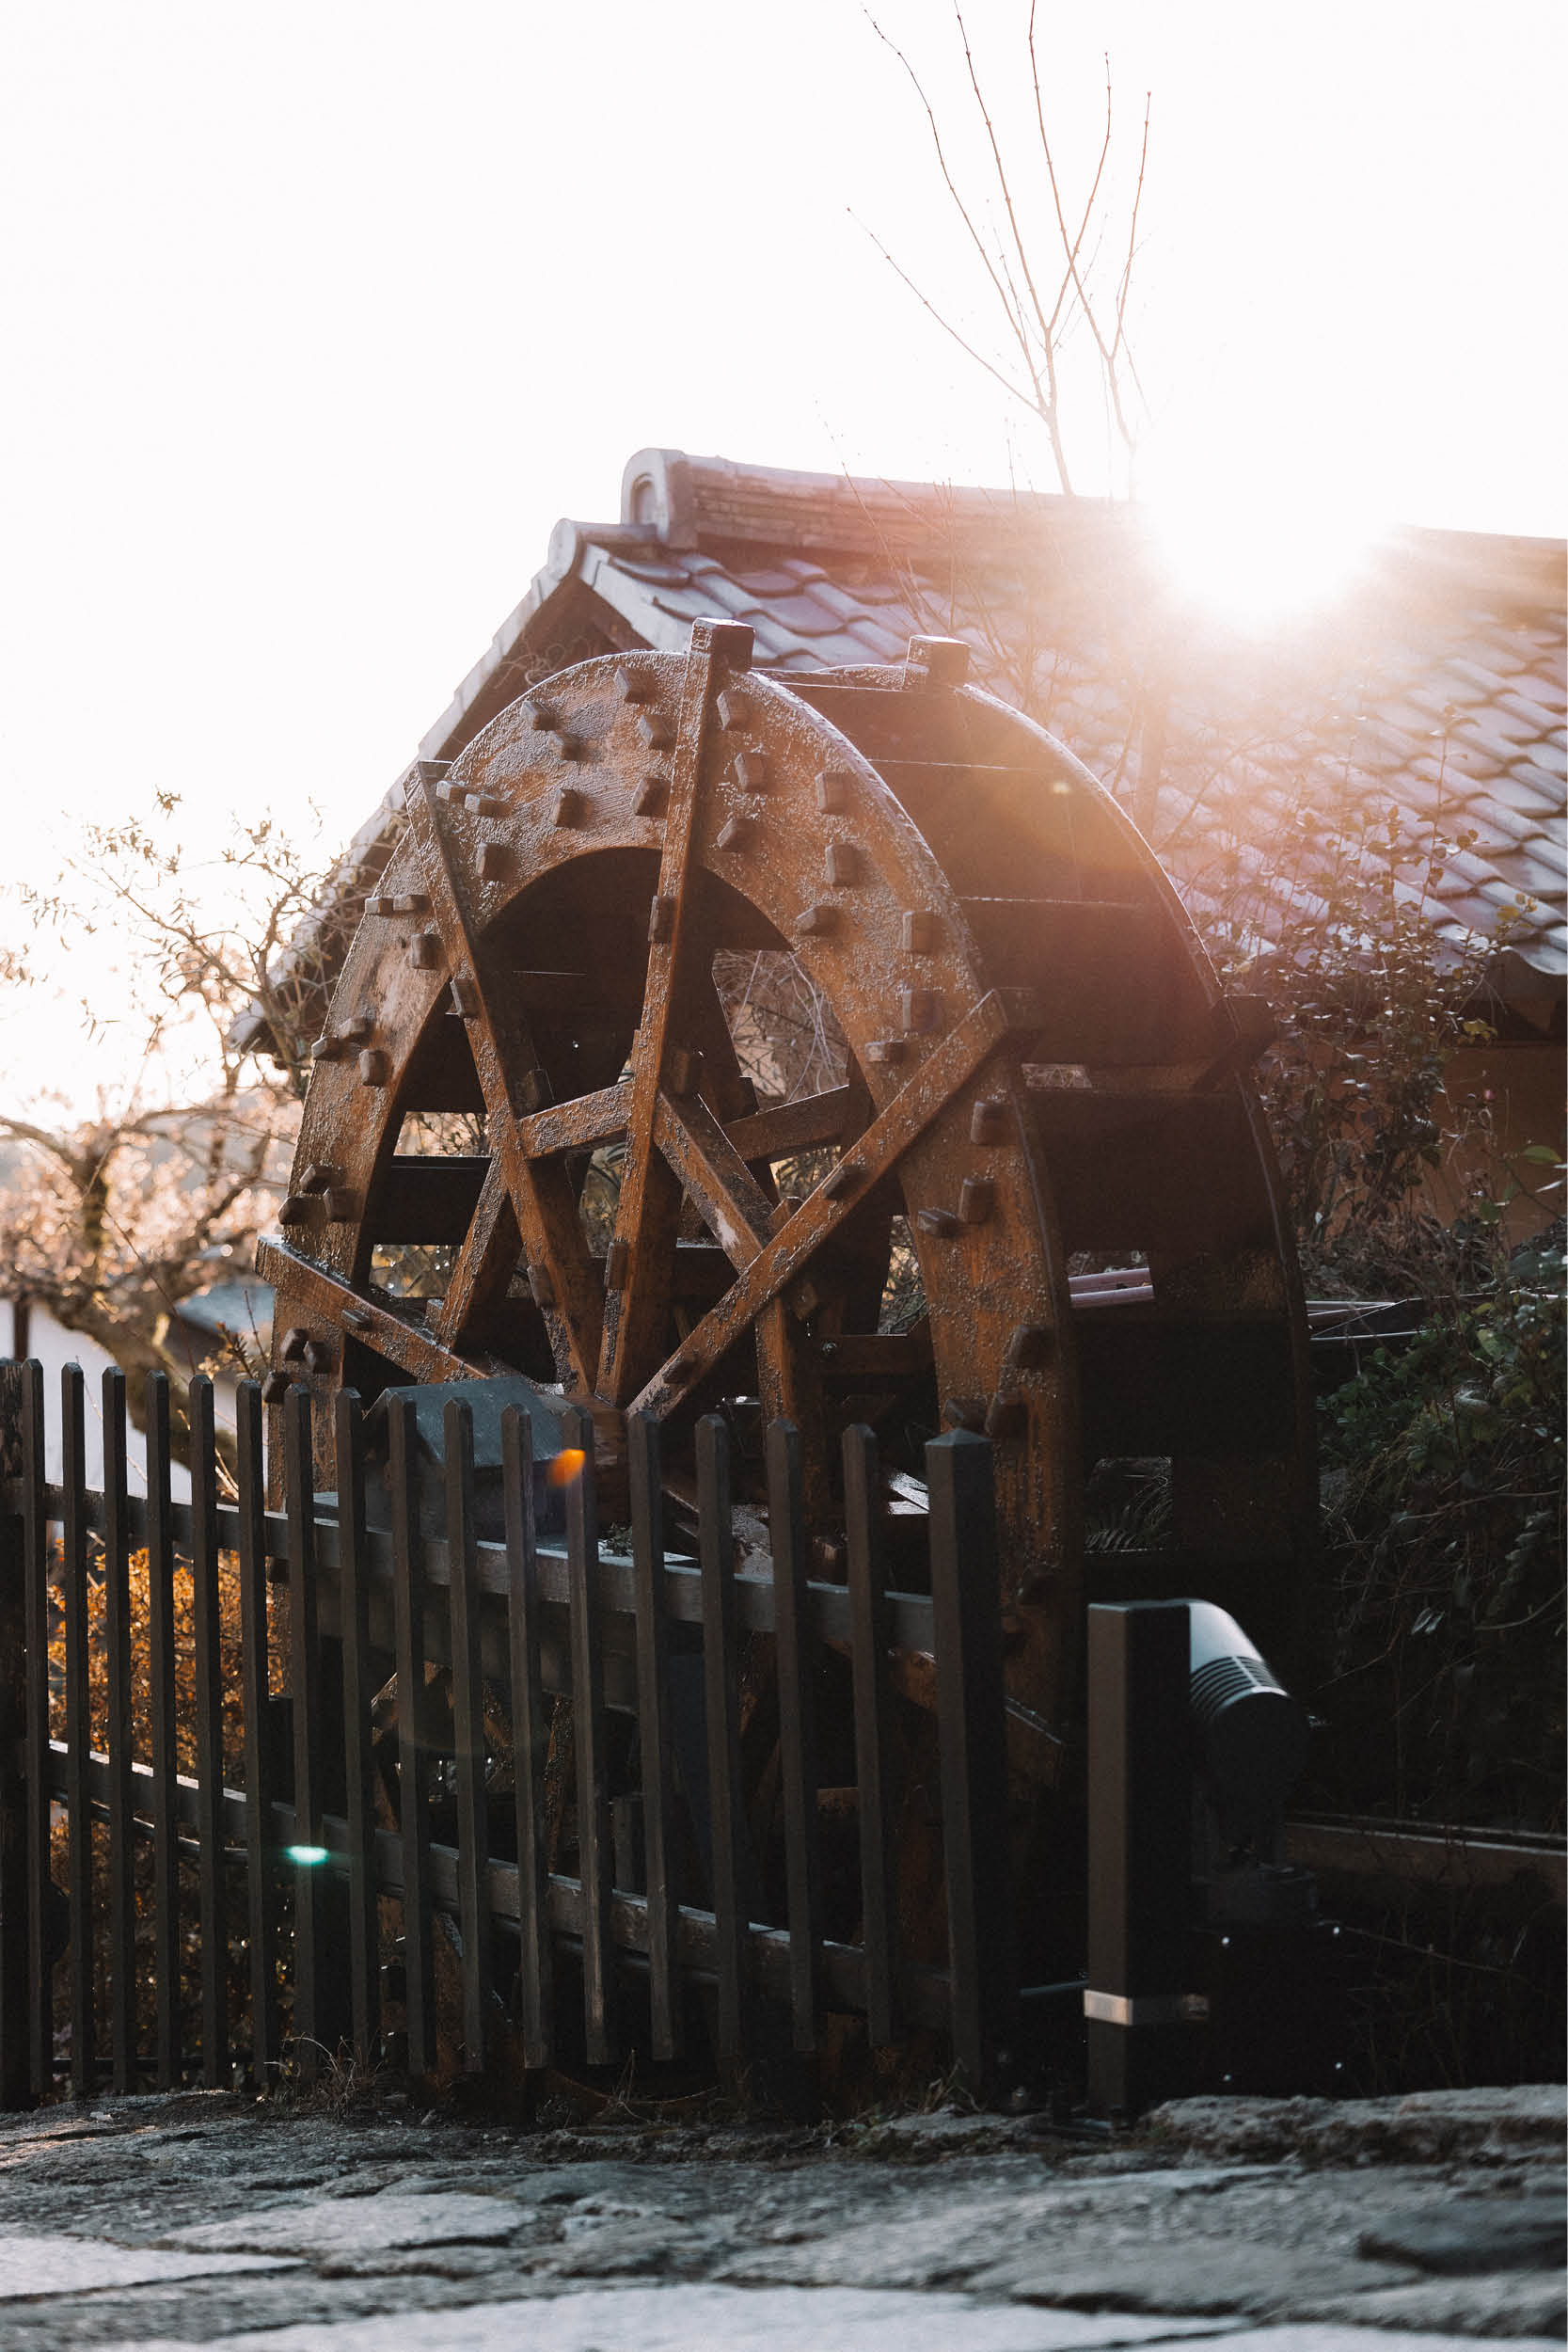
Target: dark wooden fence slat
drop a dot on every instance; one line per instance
(868, 1650)
(531, 1735)
(40, 1992)
(78, 1729)
(364, 1934)
(722, 1696)
(15, 2003)
(594, 1853)
(306, 1694)
(966, 1604)
(467, 1711)
(652, 1728)
(796, 1657)
(165, 1858)
(117, 1644)
(413, 1756)
(207, 1642)
(260, 1878)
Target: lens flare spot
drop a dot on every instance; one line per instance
(567, 1468)
(309, 1856)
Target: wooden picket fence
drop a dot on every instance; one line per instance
(161, 1925)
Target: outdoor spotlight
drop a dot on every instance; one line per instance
(1250, 1733)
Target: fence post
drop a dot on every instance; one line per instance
(966, 1612)
(722, 1696)
(530, 1738)
(116, 1662)
(14, 2071)
(1140, 1852)
(595, 1857)
(305, 1692)
(364, 1928)
(652, 1694)
(874, 1756)
(165, 1828)
(262, 1895)
(40, 1886)
(409, 1605)
(78, 1729)
(467, 1716)
(796, 1652)
(207, 1645)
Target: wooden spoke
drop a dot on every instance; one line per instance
(889, 1136)
(411, 1346)
(581, 1125)
(648, 1210)
(805, 1126)
(485, 1263)
(566, 1285)
(736, 1210)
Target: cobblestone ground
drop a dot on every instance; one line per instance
(1263, 2226)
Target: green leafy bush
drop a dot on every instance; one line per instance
(1444, 1478)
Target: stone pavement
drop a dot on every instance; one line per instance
(1255, 2225)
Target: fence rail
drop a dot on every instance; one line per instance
(171, 1905)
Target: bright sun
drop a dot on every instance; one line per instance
(1254, 559)
(1259, 510)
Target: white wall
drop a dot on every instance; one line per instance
(54, 1347)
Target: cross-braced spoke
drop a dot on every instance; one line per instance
(561, 1274)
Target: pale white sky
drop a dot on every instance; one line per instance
(316, 316)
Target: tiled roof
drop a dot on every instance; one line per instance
(1434, 687)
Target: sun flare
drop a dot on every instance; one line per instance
(1256, 560)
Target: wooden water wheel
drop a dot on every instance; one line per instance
(541, 1088)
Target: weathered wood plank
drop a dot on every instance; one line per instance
(166, 1859)
(73, 1548)
(207, 1639)
(261, 1882)
(868, 1652)
(966, 1602)
(721, 1694)
(652, 1729)
(413, 1756)
(305, 1694)
(364, 1946)
(531, 1735)
(796, 1653)
(468, 1706)
(594, 1851)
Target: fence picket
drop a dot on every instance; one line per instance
(15, 2005)
(409, 1591)
(796, 1658)
(468, 1710)
(83, 2039)
(529, 1739)
(966, 1606)
(305, 1692)
(652, 1735)
(874, 1772)
(117, 1642)
(721, 1697)
(207, 1642)
(340, 1911)
(165, 1851)
(40, 1989)
(260, 1878)
(364, 1936)
(594, 1855)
